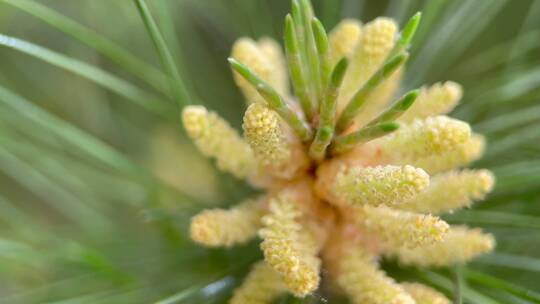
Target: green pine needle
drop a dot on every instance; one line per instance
(104, 46)
(176, 83)
(407, 34)
(345, 143)
(297, 69)
(496, 283)
(274, 101)
(358, 100)
(90, 72)
(325, 131)
(321, 41)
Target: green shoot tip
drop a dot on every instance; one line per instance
(408, 31)
(339, 71)
(409, 99)
(388, 126)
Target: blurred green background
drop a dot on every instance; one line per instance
(98, 180)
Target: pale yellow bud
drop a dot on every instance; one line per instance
(461, 156)
(435, 100)
(400, 228)
(452, 190)
(272, 142)
(289, 248)
(424, 138)
(266, 135)
(364, 283)
(219, 227)
(274, 54)
(423, 294)
(458, 246)
(374, 44)
(343, 39)
(388, 185)
(261, 286)
(246, 51)
(215, 138)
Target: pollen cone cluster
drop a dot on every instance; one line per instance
(352, 172)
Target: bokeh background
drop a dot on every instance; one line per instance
(98, 181)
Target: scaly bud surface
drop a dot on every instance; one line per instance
(287, 248)
(343, 39)
(459, 246)
(436, 100)
(261, 286)
(424, 138)
(365, 283)
(461, 156)
(388, 185)
(400, 228)
(266, 135)
(451, 191)
(219, 227)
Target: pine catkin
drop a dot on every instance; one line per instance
(261, 286)
(266, 135)
(452, 190)
(438, 99)
(459, 246)
(374, 44)
(398, 229)
(364, 283)
(388, 185)
(288, 248)
(343, 39)
(460, 156)
(215, 138)
(424, 138)
(219, 227)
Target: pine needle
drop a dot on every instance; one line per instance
(176, 83)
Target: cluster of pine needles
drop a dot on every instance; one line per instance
(99, 180)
